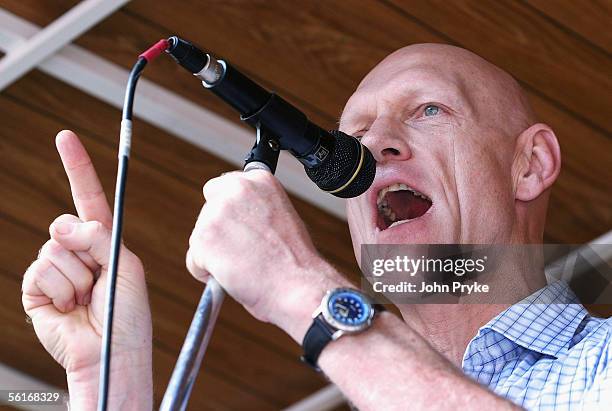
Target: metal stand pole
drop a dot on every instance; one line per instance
(189, 360)
(263, 156)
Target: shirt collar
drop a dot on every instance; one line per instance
(545, 321)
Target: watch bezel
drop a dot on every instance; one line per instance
(345, 328)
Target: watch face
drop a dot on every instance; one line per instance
(348, 310)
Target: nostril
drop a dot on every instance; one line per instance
(390, 152)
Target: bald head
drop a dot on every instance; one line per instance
(493, 94)
(459, 130)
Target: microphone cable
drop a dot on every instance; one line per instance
(125, 141)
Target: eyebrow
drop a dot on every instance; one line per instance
(414, 87)
(350, 122)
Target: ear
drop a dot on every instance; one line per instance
(537, 162)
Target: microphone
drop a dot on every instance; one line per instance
(334, 161)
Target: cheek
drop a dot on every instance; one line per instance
(357, 221)
(354, 217)
(482, 185)
(485, 195)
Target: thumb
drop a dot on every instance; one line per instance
(94, 238)
(200, 274)
(83, 255)
(91, 237)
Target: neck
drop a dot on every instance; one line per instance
(450, 327)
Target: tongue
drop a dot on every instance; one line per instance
(406, 205)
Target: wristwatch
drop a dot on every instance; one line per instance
(342, 311)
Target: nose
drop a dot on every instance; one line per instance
(387, 142)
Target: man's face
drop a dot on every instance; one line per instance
(444, 161)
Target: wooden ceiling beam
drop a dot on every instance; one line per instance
(163, 109)
(23, 56)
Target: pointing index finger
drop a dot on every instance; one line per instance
(87, 192)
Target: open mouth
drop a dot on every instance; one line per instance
(398, 204)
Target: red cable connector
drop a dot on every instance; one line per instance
(155, 50)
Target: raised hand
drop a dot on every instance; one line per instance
(64, 292)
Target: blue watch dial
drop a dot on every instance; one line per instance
(349, 308)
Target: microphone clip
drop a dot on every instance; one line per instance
(265, 150)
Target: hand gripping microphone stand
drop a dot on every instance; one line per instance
(263, 156)
(336, 162)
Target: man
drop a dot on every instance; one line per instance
(438, 119)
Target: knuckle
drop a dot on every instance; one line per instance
(84, 282)
(47, 249)
(237, 190)
(206, 188)
(40, 269)
(202, 235)
(195, 252)
(53, 249)
(43, 251)
(214, 213)
(191, 265)
(209, 185)
(189, 255)
(189, 260)
(201, 276)
(28, 271)
(195, 268)
(194, 238)
(98, 227)
(244, 186)
(210, 218)
(94, 229)
(31, 270)
(67, 218)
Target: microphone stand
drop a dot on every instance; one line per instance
(265, 112)
(263, 156)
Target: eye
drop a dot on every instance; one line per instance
(431, 110)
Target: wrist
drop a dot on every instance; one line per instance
(131, 384)
(299, 300)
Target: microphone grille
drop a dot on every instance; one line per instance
(349, 169)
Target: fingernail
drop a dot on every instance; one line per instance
(63, 228)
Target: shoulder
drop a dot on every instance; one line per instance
(596, 344)
(602, 328)
(606, 332)
(597, 331)
(597, 354)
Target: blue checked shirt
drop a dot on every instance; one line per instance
(546, 353)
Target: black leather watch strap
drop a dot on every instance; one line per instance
(317, 337)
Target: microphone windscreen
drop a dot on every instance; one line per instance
(348, 170)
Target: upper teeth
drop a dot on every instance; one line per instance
(382, 204)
